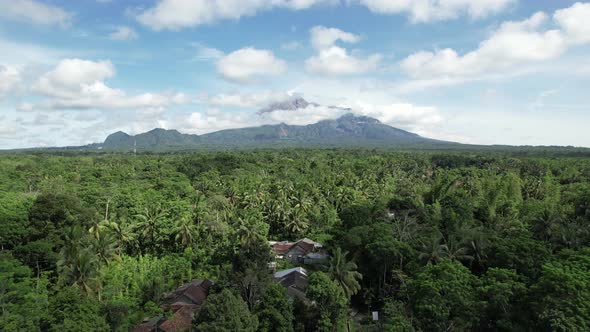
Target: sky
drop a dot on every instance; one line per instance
(511, 72)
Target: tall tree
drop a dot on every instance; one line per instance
(344, 272)
(225, 312)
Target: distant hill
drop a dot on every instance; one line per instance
(154, 138)
(349, 130)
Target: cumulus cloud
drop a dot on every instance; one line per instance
(333, 60)
(80, 84)
(575, 22)
(513, 43)
(9, 80)
(123, 33)
(178, 14)
(34, 12)
(322, 37)
(424, 120)
(421, 11)
(71, 74)
(249, 100)
(418, 119)
(336, 61)
(249, 64)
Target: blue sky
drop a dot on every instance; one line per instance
(474, 71)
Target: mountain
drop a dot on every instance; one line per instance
(152, 139)
(347, 131)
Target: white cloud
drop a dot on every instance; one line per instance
(71, 74)
(333, 60)
(322, 37)
(418, 119)
(513, 43)
(9, 80)
(79, 84)
(34, 12)
(575, 22)
(249, 64)
(437, 10)
(178, 14)
(206, 53)
(336, 61)
(249, 100)
(123, 33)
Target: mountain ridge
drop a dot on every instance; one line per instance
(347, 130)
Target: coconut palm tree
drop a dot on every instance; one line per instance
(148, 225)
(458, 250)
(298, 222)
(344, 272)
(247, 232)
(123, 233)
(434, 250)
(78, 265)
(186, 231)
(106, 248)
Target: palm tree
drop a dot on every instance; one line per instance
(185, 232)
(457, 250)
(78, 266)
(434, 250)
(148, 224)
(84, 271)
(298, 222)
(344, 272)
(96, 228)
(122, 231)
(545, 224)
(247, 231)
(106, 249)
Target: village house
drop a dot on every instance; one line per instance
(296, 252)
(184, 303)
(294, 280)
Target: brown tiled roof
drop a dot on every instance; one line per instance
(182, 319)
(281, 248)
(303, 247)
(194, 292)
(184, 302)
(149, 325)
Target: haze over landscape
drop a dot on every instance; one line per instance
(509, 72)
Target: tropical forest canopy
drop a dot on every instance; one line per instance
(432, 241)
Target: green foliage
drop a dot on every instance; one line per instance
(563, 293)
(275, 310)
(502, 292)
(443, 296)
(474, 240)
(329, 300)
(23, 299)
(14, 215)
(71, 311)
(223, 312)
(344, 272)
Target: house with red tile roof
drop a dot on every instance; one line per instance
(184, 303)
